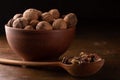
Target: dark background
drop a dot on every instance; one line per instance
(93, 15)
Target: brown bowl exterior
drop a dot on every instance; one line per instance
(34, 45)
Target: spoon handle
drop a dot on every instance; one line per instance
(27, 63)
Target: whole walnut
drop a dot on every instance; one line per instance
(29, 27)
(43, 25)
(31, 14)
(71, 20)
(34, 23)
(10, 22)
(17, 16)
(59, 24)
(55, 13)
(46, 16)
(20, 23)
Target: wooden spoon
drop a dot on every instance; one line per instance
(82, 70)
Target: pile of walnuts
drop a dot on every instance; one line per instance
(83, 57)
(33, 19)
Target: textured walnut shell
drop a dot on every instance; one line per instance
(59, 24)
(71, 20)
(34, 23)
(55, 13)
(29, 27)
(17, 16)
(47, 17)
(31, 14)
(43, 25)
(10, 22)
(20, 23)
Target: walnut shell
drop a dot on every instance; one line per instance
(29, 27)
(17, 16)
(10, 22)
(31, 14)
(55, 13)
(43, 25)
(34, 23)
(20, 23)
(47, 17)
(71, 20)
(59, 24)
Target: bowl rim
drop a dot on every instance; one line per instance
(18, 29)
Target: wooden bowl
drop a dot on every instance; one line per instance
(34, 45)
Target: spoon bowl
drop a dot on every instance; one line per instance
(78, 70)
(84, 69)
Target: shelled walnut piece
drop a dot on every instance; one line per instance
(82, 58)
(31, 18)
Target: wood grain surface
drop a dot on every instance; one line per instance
(107, 46)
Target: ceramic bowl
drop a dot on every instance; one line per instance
(33, 45)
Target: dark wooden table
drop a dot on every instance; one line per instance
(105, 45)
